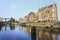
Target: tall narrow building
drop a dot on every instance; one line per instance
(1, 19)
(48, 13)
(32, 17)
(26, 19)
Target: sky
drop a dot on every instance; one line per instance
(20, 8)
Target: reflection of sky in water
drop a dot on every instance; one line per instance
(58, 37)
(16, 34)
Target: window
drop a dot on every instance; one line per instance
(30, 18)
(46, 16)
(53, 10)
(53, 18)
(48, 12)
(53, 15)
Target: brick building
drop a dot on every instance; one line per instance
(20, 20)
(1, 19)
(48, 13)
(26, 19)
(32, 17)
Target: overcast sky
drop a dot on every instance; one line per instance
(20, 8)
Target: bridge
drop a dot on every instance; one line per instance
(44, 30)
(5, 19)
(3, 22)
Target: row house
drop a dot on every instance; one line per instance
(20, 20)
(48, 13)
(26, 19)
(1, 19)
(32, 17)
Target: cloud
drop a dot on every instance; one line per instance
(13, 6)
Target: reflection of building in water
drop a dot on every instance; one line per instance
(48, 13)
(1, 19)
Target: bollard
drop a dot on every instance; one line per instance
(33, 33)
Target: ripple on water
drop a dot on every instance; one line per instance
(16, 34)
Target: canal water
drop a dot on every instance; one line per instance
(13, 33)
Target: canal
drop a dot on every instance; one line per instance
(13, 33)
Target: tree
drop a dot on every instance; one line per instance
(12, 20)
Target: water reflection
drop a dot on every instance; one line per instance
(12, 32)
(0, 28)
(12, 27)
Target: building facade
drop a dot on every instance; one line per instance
(48, 13)
(32, 17)
(26, 19)
(1, 19)
(20, 20)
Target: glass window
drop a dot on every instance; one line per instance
(53, 15)
(53, 18)
(53, 10)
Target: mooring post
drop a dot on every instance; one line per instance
(5, 24)
(33, 33)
